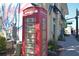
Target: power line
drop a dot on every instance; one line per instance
(71, 18)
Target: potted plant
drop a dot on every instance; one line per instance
(54, 48)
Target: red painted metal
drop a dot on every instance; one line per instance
(38, 13)
(23, 39)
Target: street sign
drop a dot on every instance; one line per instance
(77, 11)
(69, 23)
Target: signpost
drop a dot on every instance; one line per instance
(77, 13)
(69, 23)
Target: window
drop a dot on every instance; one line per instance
(43, 36)
(30, 45)
(30, 36)
(30, 29)
(30, 40)
(43, 24)
(30, 51)
(29, 20)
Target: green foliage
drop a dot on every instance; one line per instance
(2, 44)
(52, 46)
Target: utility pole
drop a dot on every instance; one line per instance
(77, 13)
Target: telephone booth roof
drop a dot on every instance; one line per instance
(34, 10)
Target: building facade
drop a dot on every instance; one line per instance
(56, 21)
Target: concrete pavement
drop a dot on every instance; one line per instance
(71, 46)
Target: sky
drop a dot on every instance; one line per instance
(72, 13)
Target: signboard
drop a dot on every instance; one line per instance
(30, 11)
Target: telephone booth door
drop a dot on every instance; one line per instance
(34, 40)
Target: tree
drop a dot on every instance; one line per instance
(2, 44)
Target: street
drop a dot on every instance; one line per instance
(71, 46)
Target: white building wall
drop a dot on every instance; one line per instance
(58, 22)
(68, 30)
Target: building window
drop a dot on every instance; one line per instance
(54, 27)
(43, 24)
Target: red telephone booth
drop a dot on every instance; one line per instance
(34, 39)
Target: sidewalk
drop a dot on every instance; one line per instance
(71, 46)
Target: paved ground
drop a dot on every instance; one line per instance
(71, 46)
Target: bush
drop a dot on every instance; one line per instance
(2, 44)
(52, 46)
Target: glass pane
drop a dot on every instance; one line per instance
(44, 49)
(30, 29)
(30, 51)
(30, 40)
(30, 35)
(44, 35)
(43, 24)
(30, 24)
(31, 45)
(30, 20)
(43, 42)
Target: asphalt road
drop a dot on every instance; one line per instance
(71, 46)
